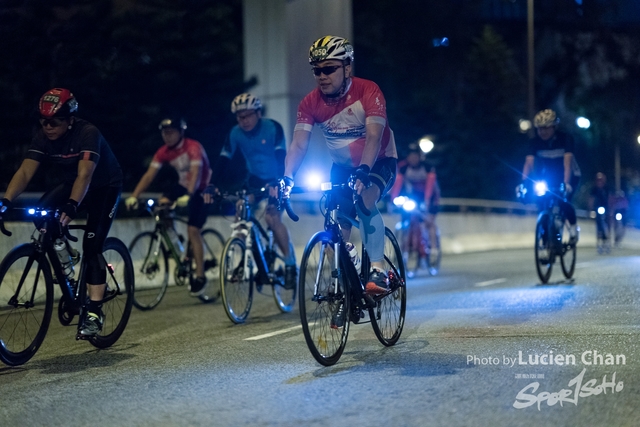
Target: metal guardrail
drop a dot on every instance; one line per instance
(307, 201)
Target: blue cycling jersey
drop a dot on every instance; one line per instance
(259, 148)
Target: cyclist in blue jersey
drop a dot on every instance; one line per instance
(262, 143)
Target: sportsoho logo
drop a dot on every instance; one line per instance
(577, 388)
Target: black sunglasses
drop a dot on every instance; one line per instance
(54, 123)
(326, 70)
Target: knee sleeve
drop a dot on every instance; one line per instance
(372, 232)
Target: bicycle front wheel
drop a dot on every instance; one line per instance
(26, 304)
(118, 295)
(285, 298)
(236, 285)
(569, 255)
(151, 267)
(543, 249)
(320, 301)
(213, 245)
(387, 317)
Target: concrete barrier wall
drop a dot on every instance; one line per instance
(460, 232)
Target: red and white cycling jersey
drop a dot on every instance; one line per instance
(343, 123)
(187, 153)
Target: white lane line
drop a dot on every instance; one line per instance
(491, 282)
(271, 334)
(584, 264)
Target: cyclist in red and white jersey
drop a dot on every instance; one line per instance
(189, 159)
(352, 115)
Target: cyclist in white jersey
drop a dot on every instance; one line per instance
(352, 115)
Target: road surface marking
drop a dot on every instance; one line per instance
(271, 334)
(491, 282)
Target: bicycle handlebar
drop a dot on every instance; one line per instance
(55, 212)
(3, 229)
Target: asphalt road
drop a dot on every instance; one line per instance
(466, 358)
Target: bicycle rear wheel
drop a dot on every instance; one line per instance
(569, 253)
(285, 298)
(319, 301)
(213, 245)
(26, 303)
(118, 295)
(543, 249)
(151, 267)
(236, 286)
(387, 317)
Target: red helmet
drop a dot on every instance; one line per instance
(57, 102)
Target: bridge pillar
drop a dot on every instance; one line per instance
(277, 36)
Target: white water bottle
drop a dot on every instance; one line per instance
(65, 258)
(353, 254)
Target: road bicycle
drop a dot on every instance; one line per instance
(27, 289)
(329, 284)
(416, 242)
(250, 258)
(152, 250)
(552, 234)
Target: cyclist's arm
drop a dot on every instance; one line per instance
(528, 167)
(21, 178)
(567, 167)
(81, 184)
(145, 181)
(372, 144)
(297, 152)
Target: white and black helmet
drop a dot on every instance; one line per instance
(545, 118)
(245, 101)
(330, 47)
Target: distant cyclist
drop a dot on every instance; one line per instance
(76, 152)
(600, 201)
(551, 158)
(189, 159)
(262, 143)
(352, 114)
(418, 181)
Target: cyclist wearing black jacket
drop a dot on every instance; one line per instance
(76, 152)
(551, 158)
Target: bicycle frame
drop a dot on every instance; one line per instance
(71, 289)
(254, 242)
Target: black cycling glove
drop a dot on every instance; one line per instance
(5, 204)
(70, 208)
(362, 173)
(283, 183)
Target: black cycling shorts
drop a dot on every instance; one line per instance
(196, 208)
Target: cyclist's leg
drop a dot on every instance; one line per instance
(340, 174)
(273, 218)
(383, 174)
(197, 218)
(101, 205)
(372, 227)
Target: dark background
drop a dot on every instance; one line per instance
(129, 63)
